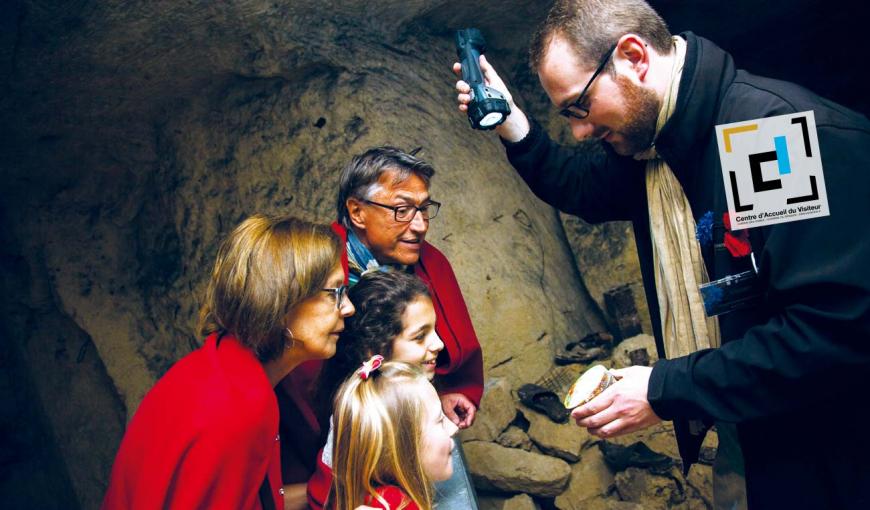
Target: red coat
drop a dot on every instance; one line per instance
(394, 497)
(205, 436)
(391, 493)
(319, 484)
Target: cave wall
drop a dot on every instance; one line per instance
(155, 129)
(134, 135)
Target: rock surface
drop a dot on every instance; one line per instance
(494, 467)
(621, 351)
(655, 491)
(660, 438)
(518, 502)
(497, 411)
(515, 437)
(590, 479)
(607, 257)
(563, 440)
(700, 482)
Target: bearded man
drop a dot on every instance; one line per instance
(787, 369)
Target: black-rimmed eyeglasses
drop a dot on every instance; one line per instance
(406, 213)
(338, 293)
(577, 109)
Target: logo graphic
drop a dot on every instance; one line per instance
(772, 170)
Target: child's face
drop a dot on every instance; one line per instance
(418, 343)
(437, 441)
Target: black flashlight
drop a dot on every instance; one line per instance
(488, 107)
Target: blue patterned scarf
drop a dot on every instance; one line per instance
(361, 261)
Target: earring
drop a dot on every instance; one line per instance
(292, 340)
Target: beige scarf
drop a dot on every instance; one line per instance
(679, 268)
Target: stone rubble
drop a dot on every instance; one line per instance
(621, 358)
(561, 466)
(515, 437)
(563, 440)
(590, 478)
(496, 468)
(518, 502)
(497, 411)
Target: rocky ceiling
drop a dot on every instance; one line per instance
(133, 134)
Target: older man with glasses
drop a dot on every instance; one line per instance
(789, 358)
(384, 209)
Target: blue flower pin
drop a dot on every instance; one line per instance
(704, 229)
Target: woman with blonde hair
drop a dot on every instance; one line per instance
(392, 440)
(206, 435)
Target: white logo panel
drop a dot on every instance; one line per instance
(772, 170)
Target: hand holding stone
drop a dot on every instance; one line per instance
(620, 409)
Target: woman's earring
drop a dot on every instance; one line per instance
(292, 340)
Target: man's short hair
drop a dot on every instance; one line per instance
(593, 26)
(360, 177)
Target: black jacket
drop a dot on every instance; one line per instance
(794, 370)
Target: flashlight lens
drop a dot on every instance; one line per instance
(491, 119)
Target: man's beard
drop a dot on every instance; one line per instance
(641, 115)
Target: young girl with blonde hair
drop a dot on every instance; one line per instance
(392, 440)
(395, 318)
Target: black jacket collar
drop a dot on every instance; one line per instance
(707, 74)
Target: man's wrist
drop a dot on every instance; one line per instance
(515, 127)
